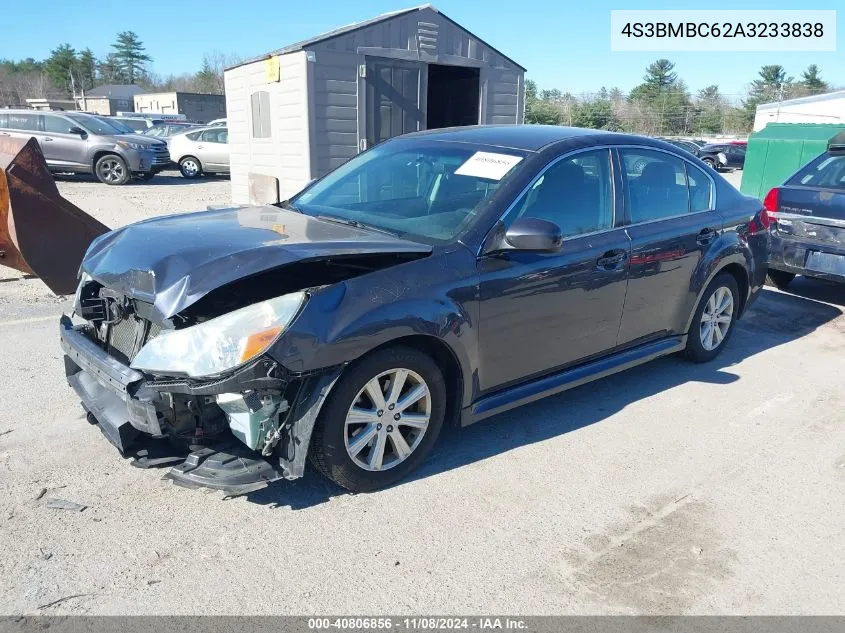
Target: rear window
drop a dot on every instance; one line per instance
(826, 171)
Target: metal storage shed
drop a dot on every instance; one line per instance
(779, 150)
(299, 112)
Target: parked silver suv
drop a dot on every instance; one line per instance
(84, 143)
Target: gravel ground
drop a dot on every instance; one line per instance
(671, 488)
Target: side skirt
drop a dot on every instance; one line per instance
(569, 378)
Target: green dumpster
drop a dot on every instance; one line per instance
(779, 150)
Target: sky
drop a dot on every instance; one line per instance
(564, 44)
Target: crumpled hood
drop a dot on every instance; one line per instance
(174, 261)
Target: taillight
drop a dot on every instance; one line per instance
(765, 218)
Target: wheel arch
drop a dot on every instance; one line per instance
(446, 360)
(735, 266)
(105, 152)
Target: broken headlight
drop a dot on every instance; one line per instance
(222, 343)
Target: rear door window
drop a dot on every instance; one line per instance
(700, 188)
(826, 171)
(656, 184)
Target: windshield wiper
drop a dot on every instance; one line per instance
(356, 224)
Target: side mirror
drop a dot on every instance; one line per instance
(533, 235)
(78, 130)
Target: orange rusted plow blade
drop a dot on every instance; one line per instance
(40, 232)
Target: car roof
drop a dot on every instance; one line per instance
(533, 138)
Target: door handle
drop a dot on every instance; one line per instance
(612, 260)
(199, 146)
(4, 134)
(47, 138)
(705, 236)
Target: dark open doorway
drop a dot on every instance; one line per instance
(453, 95)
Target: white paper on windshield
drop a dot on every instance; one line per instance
(488, 165)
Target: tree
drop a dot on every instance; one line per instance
(597, 114)
(87, 65)
(710, 108)
(773, 85)
(542, 112)
(59, 67)
(530, 89)
(109, 71)
(130, 57)
(662, 99)
(811, 81)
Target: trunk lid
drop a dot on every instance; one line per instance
(811, 214)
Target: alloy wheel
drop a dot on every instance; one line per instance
(716, 318)
(111, 170)
(388, 419)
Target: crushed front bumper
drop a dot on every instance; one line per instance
(128, 407)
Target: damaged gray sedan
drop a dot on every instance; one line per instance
(442, 276)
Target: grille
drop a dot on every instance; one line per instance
(161, 156)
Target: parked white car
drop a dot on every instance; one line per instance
(201, 151)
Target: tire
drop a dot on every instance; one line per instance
(699, 342)
(779, 278)
(711, 163)
(190, 167)
(332, 443)
(111, 169)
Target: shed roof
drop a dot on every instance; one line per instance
(839, 94)
(298, 46)
(115, 91)
(798, 131)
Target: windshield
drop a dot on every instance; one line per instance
(118, 126)
(427, 190)
(94, 125)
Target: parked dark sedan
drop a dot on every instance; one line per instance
(723, 156)
(690, 146)
(440, 277)
(808, 220)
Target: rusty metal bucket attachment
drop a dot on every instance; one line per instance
(40, 232)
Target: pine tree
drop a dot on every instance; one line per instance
(59, 66)
(812, 82)
(130, 57)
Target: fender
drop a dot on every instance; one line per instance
(345, 321)
(729, 249)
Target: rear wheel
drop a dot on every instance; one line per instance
(779, 278)
(111, 169)
(381, 420)
(710, 162)
(190, 167)
(714, 318)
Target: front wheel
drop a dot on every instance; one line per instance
(714, 318)
(190, 167)
(381, 420)
(111, 169)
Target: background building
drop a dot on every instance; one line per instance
(298, 112)
(199, 108)
(825, 108)
(109, 99)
